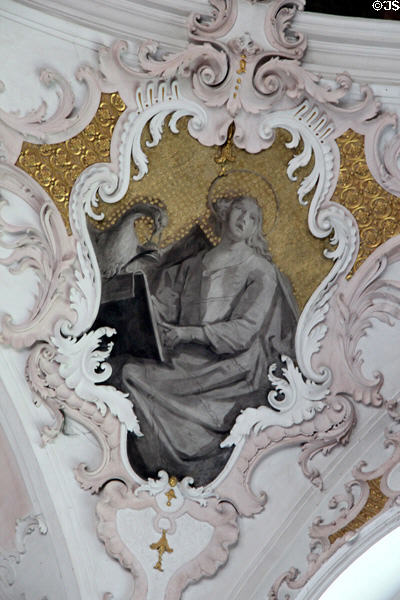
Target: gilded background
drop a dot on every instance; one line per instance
(376, 211)
(181, 171)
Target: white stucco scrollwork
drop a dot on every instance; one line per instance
(184, 488)
(41, 248)
(110, 181)
(344, 508)
(232, 72)
(371, 295)
(82, 367)
(39, 127)
(189, 557)
(10, 561)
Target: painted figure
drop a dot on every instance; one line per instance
(226, 314)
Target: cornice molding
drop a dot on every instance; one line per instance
(123, 19)
(369, 46)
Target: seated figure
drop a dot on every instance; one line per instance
(226, 314)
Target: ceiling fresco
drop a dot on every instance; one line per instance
(208, 252)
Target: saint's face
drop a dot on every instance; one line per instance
(242, 220)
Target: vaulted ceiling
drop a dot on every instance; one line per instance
(312, 508)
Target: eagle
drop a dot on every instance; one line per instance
(118, 247)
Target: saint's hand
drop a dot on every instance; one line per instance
(174, 335)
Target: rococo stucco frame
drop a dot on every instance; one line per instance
(230, 72)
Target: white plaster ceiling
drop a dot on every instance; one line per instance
(75, 30)
(66, 34)
(334, 41)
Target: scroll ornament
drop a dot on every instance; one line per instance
(223, 76)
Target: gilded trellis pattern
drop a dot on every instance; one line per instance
(56, 166)
(376, 211)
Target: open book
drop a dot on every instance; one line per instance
(129, 309)
(143, 296)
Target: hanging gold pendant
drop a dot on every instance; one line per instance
(161, 546)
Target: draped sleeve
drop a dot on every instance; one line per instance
(169, 292)
(249, 313)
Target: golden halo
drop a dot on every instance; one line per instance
(242, 182)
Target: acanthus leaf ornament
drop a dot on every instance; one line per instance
(370, 295)
(183, 489)
(299, 401)
(10, 561)
(83, 367)
(365, 502)
(43, 249)
(278, 28)
(240, 75)
(39, 127)
(223, 18)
